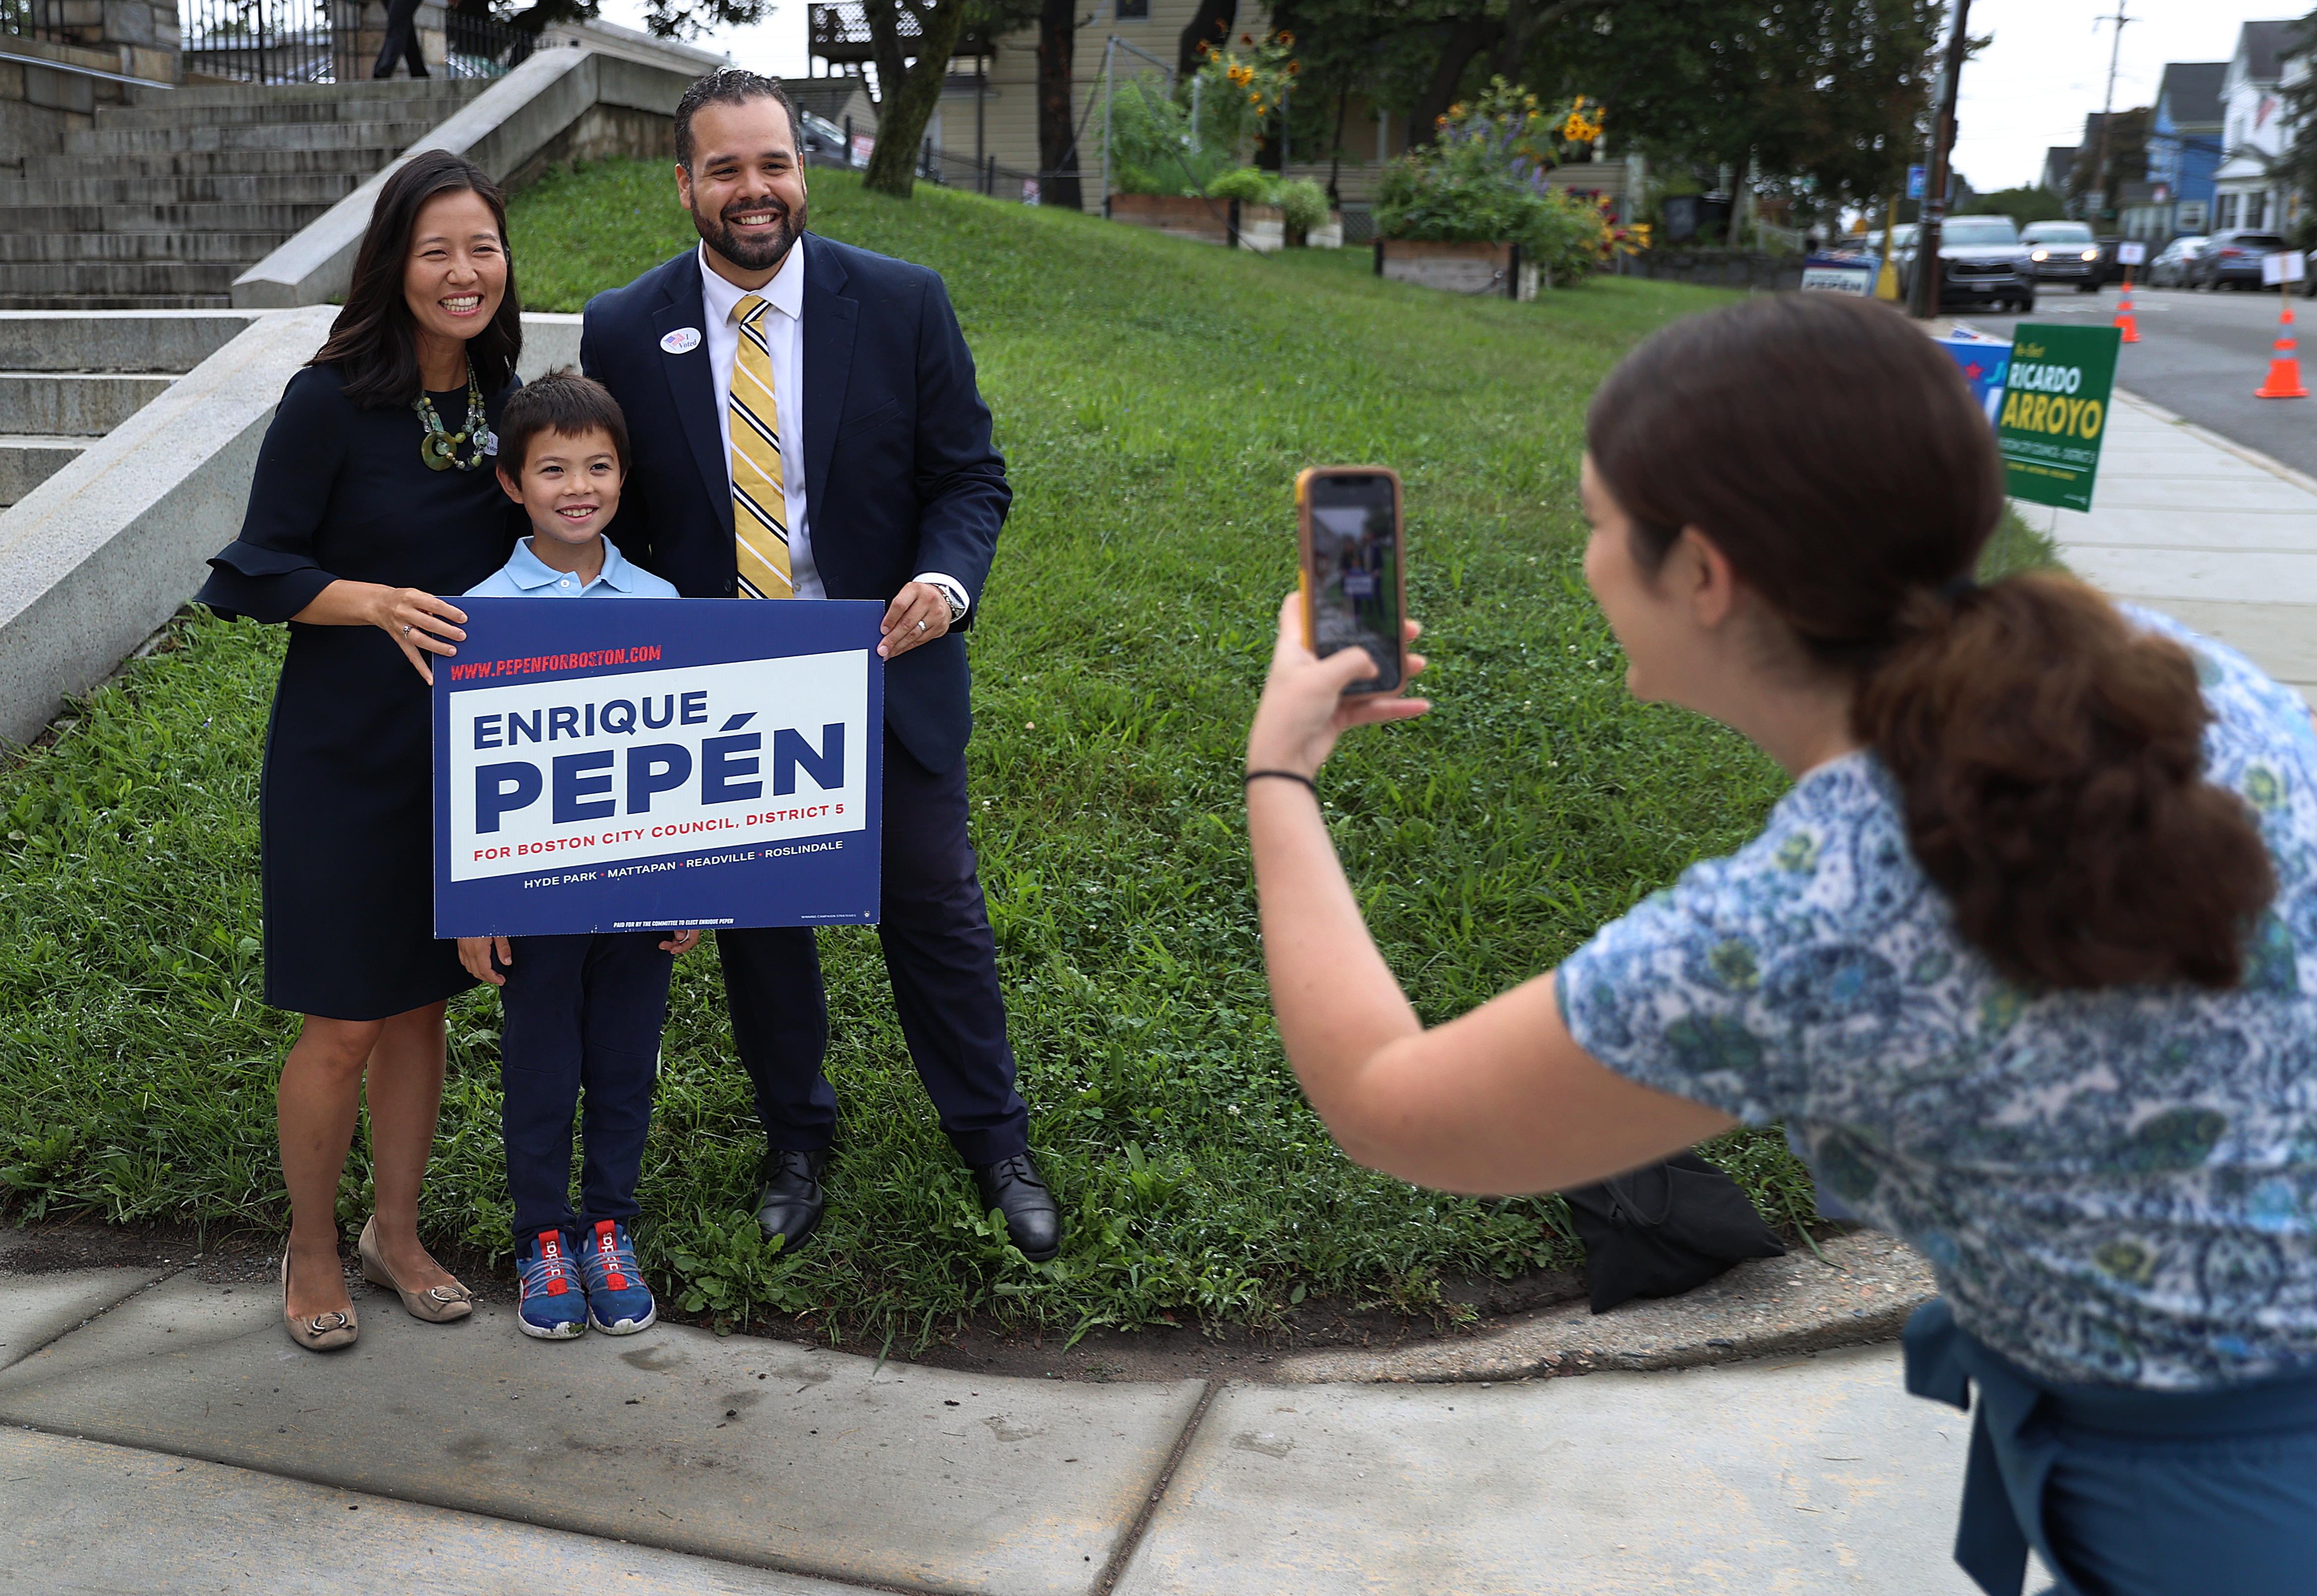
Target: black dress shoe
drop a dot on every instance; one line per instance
(792, 1200)
(1032, 1218)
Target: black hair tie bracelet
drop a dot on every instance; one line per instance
(1286, 775)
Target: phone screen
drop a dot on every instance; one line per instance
(1355, 573)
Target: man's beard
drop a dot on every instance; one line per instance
(756, 255)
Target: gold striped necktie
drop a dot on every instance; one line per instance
(760, 504)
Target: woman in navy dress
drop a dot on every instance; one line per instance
(374, 492)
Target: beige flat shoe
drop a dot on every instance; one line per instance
(438, 1305)
(324, 1333)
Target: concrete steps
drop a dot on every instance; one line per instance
(163, 218)
(112, 143)
(74, 404)
(75, 284)
(28, 460)
(355, 103)
(122, 198)
(67, 380)
(89, 248)
(164, 201)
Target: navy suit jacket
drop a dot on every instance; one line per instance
(901, 474)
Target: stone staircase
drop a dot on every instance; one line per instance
(66, 379)
(163, 202)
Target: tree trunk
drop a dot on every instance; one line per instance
(1058, 132)
(885, 44)
(902, 119)
(1210, 25)
(1474, 34)
(1524, 24)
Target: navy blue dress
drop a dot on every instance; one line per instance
(345, 808)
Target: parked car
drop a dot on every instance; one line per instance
(2064, 252)
(2170, 269)
(2232, 259)
(1981, 262)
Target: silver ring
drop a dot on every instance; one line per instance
(921, 626)
(406, 629)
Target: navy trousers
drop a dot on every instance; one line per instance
(580, 1014)
(934, 927)
(2125, 1492)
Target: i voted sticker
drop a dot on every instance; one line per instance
(684, 340)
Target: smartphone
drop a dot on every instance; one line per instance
(1354, 576)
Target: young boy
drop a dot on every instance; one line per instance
(580, 1012)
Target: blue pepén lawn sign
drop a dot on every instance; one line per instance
(1839, 274)
(658, 762)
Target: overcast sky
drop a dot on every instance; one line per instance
(2047, 68)
(775, 45)
(2029, 89)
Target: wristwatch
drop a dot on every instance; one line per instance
(955, 600)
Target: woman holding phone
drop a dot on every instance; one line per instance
(2025, 960)
(374, 493)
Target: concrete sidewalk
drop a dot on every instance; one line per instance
(2219, 536)
(173, 1438)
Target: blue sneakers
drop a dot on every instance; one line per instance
(553, 1306)
(619, 1302)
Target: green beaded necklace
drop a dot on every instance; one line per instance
(440, 449)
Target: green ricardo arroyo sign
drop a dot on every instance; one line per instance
(2055, 414)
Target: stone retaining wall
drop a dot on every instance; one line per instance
(1717, 268)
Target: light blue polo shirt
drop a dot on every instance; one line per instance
(525, 576)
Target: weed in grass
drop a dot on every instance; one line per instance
(1154, 399)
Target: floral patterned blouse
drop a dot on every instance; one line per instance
(2116, 1187)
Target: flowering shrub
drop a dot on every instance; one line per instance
(1180, 144)
(1154, 148)
(1243, 86)
(1482, 181)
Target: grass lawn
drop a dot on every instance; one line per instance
(1154, 400)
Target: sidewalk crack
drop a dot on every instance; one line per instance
(1114, 1568)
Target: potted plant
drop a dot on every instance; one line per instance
(1472, 212)
(1180, 163)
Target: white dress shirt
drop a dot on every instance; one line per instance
(783, 328)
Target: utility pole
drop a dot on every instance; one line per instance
(2107, 113)
(1923, 300)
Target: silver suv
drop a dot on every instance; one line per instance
(1981, 262)
(2064, 252)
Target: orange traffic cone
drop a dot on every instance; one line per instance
(2283, 366)
(2124, 317)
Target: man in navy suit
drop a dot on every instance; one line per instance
(893, 491)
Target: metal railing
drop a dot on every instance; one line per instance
(984, 176)
(259, 41)
(840, 34)
(485, 47)
(290, 41)
(36, 19)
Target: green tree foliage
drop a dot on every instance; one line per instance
(2022, 205)
(2127, 156)
(1832, 92)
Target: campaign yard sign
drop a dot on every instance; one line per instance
(637, 763)
(1839, 274)
(2055, 414)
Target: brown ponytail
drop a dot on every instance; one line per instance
(2048, 753)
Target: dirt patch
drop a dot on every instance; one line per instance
(1157, 1352)
(1533, 1326)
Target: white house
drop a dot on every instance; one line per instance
(2247, 192)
